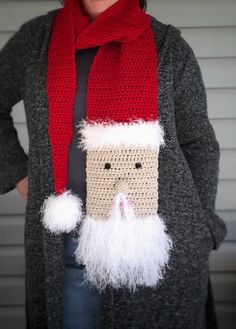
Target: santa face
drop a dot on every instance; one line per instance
(123, 241)
(131, 171)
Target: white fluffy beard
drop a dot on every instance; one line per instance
(123, 250)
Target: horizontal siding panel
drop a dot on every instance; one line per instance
(18, 113)
(223, 259)
(195, 14)
(23, 136)
(12, 317)
(12, 203)
(228, 164)
(12, 230)
(211, 42)
(12, 291)
(230, 220)
(185, 13)
(225, 132)
(226, 314)
(4, 36)
(224, 286)
(13, 14)
(218, 72)
(225, 199)
(12, 261)
(221, 103)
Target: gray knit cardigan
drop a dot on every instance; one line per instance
(188, 178)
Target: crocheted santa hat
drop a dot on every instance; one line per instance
(119, 115)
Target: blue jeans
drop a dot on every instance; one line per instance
(82, 302)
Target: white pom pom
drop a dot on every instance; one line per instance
(61, 213)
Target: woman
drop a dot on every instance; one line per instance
(145, 148)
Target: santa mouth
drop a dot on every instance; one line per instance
(122, 203)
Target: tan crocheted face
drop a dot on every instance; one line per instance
(131, 171)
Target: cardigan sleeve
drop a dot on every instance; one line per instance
(197, 139)
(13, 159)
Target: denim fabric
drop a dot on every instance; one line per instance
(82, 301)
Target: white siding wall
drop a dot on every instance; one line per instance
(210, 28)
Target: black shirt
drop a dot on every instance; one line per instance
(76, 157)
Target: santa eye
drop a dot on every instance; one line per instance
(107, 165)
(138, 165)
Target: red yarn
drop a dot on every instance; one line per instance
(123, 79)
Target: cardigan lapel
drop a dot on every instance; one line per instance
(53, 246)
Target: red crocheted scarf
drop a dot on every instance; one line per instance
(123, 80)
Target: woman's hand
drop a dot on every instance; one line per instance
(22, 188)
